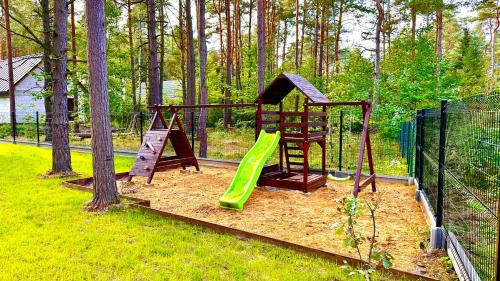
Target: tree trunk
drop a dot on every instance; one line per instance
(413, 31)
(237, 42)
(191, 63)
(261, 50)
(61, 157)
(316, 39)
(296, 35)
(321, 41)
(283, 53)
(304, 14)
(229, 66)
(74, 76)
(133, 82)
(47, 68)
(153, 76)
(493, 49)
(182, 51)
(378, 31)
(439, 46)
(337, 37)
(162, 47)
(203, 94)
(12, 97)
(104, 183)
(250, 11)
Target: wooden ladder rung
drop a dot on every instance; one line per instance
(296, 155)
(296, 163)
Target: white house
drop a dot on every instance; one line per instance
(172, 91)
(28, 83)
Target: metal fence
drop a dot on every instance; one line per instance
(230, 141)
(457, 166)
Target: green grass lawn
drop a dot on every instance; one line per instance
(45, 235)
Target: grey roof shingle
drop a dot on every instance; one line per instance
(22, 66)
(282, 85)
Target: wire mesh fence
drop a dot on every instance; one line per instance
(231, 140)
(466, 198)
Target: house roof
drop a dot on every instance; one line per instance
(22, 66)
(171, 89)
(282, 85)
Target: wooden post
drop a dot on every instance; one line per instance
(366, 115)
(323, 146)
(258, 125)
(305, 120)
(281, 132)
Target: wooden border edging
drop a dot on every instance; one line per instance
(141, 204)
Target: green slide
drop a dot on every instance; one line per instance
(249, 171)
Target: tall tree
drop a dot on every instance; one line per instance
(47, 67)
(439, 42)
(296, 57)
(302, 33)
(74, 77)
(203, 93)
(153, 76)
(378, 31)
(131, 51)
(61, 157)
(104, 183)
(182, 49)
(229, 65)
(12, 96)
(324, 12)
(261, 50)
(337, 37)
(191, 63)
(162, 46)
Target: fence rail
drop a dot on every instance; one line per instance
(231, 141)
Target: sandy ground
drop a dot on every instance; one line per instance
(307, 219)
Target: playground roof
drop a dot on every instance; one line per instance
(282, 85)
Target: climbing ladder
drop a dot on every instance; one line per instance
(150, 158)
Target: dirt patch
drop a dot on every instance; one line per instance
(307, 219)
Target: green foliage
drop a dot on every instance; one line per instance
(350, 207)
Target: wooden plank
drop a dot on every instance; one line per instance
(288, 114)
(264, 112)
(316, 124)
(317, 134)
(317, 113)
(295, 156)
(265, 122)
(367, 181)
(293, 125)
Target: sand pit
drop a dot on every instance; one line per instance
(306, 219)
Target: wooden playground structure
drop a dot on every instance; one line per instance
(292, 171)
(150, 158)
(297, 137)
